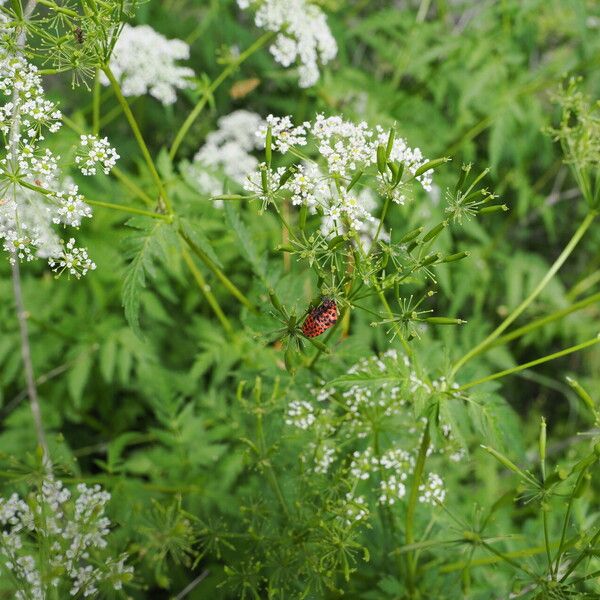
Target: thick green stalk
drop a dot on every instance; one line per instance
(485, 344)
(229, 69)
(411, 508)
(138, 136)
(533, 363)
(205, 288)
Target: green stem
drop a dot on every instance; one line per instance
(507, 559)
(271, 476)
(411, 508)
(205, 288)
(563, 534)
(530, 364)
(129, 209)
(229, 69)
(60, 9)
(555, 316)
(485, 344)
(138, 136)
(490, 560)
(231, 287)
(547, 540)
(96, 105)
(581, 556)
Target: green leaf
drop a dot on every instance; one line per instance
(247, 245)
(197, 236)
(78, 376)
(144, 247)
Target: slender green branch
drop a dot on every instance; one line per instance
(96, 105)
(485, 344)
(60, 9)
(555, 316)
(138, 136)
(229, 69)
(205, 288)
(411, 508)
(563, 534)
(490, 560)
(231, 287)
(532, 363)
(129, 209)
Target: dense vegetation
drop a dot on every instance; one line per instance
(441, 440)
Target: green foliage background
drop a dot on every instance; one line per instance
(154, 414)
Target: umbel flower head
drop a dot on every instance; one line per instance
(34, 194)
(55, 545)
(303, 36)
(144, 62)
(337, 153)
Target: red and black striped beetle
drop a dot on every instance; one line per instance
(321, 318)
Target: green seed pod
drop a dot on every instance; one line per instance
(286, 175)
(433, 233)
(444, 321)
(290, 358)
(494, 208)
(268, 142)
(411, 247)
(542, 444)
(464, 173)
(432, 164)
(396, 170)
(381, 159)
(276, 302)
(430, 259)
(411, 235)
(264, 182)
(336, 241)
(390, 142)
(302, 217)
(587, 399)
(505, 461)
(455, 257)
(285, 249)
(319, 345)
(354, 180)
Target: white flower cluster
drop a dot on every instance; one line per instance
(300, 414)
(96, 152)
(33, 194)
(144, 62)
(344, 149)
(303, 36)
(432, 491)
(72, 531)
(226, 152)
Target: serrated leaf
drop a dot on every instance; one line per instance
(78, 376)
(247, 245)
(196, 236)
(145, 248)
